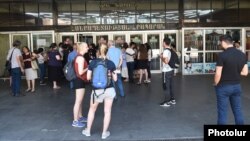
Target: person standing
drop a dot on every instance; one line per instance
(230, 65)
(106, 95)
(30, 73)
(15, 56)
(71, 57)
(41, 63)
(115, 55)
(130, 61)
(81, 67)
(167, 74)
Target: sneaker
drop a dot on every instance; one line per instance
(82, 119)
(86, 133)
(105, 135)
(164, 104)
(78, 124)
(171, 102)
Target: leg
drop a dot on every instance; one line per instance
(235, 101)
(146, 74)
(80, 108)
(140, 78)
(168, 84)
(91, 114)
(28, 84)
(78, 101)
(171, 85)
(33, 85)
(107, 114)
(222, 103)
(148, 70)
(14, 81)
(120, 85)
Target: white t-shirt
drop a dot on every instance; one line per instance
(149, 54)
(16, 53)
(166, 67)
(40, 59)
(130, 55)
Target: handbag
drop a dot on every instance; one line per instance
(8, 62)
(34, 65)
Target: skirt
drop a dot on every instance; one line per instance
(30, 74)
(142, 64)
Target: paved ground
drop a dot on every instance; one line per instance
(47, 114)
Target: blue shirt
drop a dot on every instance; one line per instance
(72, 55)
(114, 54)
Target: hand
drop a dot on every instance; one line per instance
(22, 70)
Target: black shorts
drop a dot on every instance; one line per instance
(79, 83)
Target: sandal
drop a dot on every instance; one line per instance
(28, 90)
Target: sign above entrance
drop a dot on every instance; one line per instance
(120, 27)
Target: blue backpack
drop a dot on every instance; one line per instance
(100, 78)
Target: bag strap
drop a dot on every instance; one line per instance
(11, 55)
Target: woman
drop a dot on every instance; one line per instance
(41, 63)
(54, 65)
(150, 54)
(79, 84)
(124, 63)
(107, 96)
(143, 63)
(31, 74)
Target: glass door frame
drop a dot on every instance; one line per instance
(25, 34)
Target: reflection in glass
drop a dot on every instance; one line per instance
(137, 38)
(42, 41)
(127, 13)
(4, 48)
(101, 39)
(193, 63)
(190, 11)
(211, 57)
(213, 39)
(235, 34)
(45, 14)
(119, 40)
(64, 14)
(193, 40)
(16, 12)
(247, 40)
(158, 11)
(23, 39)
(172, 11)
(78, 13)
(143, 12)
(153, 41)
(85, 38)
(31, 13)
(93, 12)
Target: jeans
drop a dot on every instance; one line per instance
(118, 84)
(167, 81)
(42, 72)
(16, 81)
(131, 66)
(230, 93)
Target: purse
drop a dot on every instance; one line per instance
(8, 62)
(34, 65)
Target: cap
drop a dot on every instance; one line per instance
(226, 38)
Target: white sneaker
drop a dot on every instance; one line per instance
(105, 135)
(86, 133)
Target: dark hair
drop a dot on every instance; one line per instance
(147, 46)
(167, 41)
(125, 45)
(26, 48)
(70, 48)
(53, 45)
(40, 50)
(143, 52)
(60, 44)
(173, 46)
(226, 38)
(16, 43)
(132, 43)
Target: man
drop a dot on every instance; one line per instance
(15, 56)
(167, 74)
(130, 53)
(230, 65)
(115, 55)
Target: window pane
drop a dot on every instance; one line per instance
(172, 11)
(45, 14)
(93, 12)
(193, 40)
(64, 13)
(190, 11)
(213, 39)
(42, 41)
(244, 8)
(110, 12)
(143, 12)
(78, 13)
(127, 16)
(204, 11)
(31, 13)
(4, 14)
(17, 16)
(158, 11)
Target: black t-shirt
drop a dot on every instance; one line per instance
(232, 60)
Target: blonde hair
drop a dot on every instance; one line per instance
(81, 46)
(103, 50)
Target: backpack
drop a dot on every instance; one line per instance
(174, 60)
(69, 70)
(100, 79)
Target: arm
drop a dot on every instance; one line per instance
(120, 62)
(19, 61)
(33, 56)
(89, 74)
(58, 57)
(217, 75)
(114, 76)
(244, 71)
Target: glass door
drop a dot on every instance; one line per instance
(42, 40)
(85, 38)
(4, 48)
(137, 38)
(70, 38)
(119, 40)
(154, 42)
(23, 38)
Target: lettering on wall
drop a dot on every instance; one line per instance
(120, 27)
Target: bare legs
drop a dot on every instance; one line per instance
(141, 73)
(77, 110)
(29, 85)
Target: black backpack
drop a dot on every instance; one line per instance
(174, 60)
